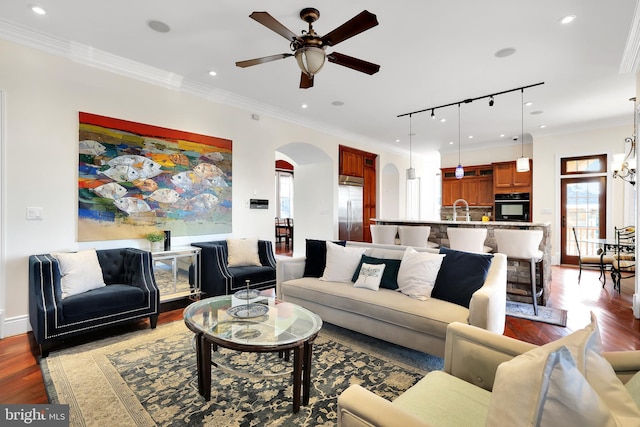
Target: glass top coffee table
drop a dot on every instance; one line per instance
(257, 324)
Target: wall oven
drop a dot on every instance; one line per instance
(512, 207)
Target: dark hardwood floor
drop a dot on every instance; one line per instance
(21, 380)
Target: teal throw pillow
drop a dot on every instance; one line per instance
(389, 275)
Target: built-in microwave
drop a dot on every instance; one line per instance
(512, 207)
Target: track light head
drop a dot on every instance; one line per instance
(433, 114)
(491, 101)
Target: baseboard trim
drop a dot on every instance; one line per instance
(14, 326)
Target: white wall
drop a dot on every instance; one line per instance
(43, 94)
(547, 152)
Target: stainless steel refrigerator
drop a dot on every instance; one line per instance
(350, 208)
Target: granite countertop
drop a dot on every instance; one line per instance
(439, 221)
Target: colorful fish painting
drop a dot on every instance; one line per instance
(112, 190)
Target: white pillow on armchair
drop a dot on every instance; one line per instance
(243, 252)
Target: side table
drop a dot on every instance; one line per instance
(171, 269)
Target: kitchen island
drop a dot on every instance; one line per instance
(518, 287)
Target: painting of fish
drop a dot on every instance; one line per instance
(135, 177)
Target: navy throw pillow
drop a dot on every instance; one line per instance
(389, 275)
(316, 252)
(460, 275)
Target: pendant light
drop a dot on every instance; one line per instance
(411, 172)
(459, 168)
(522, 164)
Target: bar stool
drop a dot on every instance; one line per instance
(523, 246)
(415, 235)
(383, 234)
(468, 239)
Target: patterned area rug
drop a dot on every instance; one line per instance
(149, 378)
(554, 316)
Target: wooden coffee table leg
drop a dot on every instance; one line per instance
(297, 376)
(204, 367)
(306, 372)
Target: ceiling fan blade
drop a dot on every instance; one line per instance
(274, 25)
(256, 61)
(353, 63)
(352, 27)
(305, 81)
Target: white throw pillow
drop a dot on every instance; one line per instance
(370, 276)
(80, 272)
(242, 252)
(342, 262)
(418, 272)
(525, 392)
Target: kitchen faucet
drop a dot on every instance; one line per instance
(455, 214)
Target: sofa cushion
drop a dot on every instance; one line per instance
(418, 272)
(633, 387)
(430, 317)
(570, 382)
(370, 276)
(437, 399)
(242, 252)
(316, 257)
(341, 263)
(102, 301)
(389, 275)
(80, 272)
(460, 275)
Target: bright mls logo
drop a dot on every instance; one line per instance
(36, 415)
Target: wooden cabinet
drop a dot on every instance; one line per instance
(507, 180)
(351, 163)
(476, 187)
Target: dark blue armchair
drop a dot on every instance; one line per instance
(130, 293)
(219, 279)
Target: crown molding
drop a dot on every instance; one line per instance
(631, 56)
(89, 56)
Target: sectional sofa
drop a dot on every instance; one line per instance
(391, 315)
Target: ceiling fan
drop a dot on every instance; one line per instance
(309, 48)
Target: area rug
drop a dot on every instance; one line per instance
(554, 316)
(149, 378)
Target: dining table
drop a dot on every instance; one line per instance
(612, 246)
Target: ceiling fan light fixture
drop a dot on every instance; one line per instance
(310, 60)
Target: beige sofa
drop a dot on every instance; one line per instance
(461, 394)
(390, 315)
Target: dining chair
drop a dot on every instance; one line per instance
(624, 259)
(601, 260)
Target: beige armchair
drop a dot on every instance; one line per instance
(459, 395)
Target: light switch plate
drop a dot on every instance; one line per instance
(34, 213)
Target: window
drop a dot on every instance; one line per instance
(583, 165)
(284, 194)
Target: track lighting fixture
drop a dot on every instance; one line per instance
(522, 164)
(459, 169)
(411, 172)
(433, 114)
(491, 101)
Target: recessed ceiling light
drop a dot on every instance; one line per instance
(470, 137)
(304, 106)
(158, 26)
(502, 135)
(213, 73)
(543, 126)
(337, 103)
(503, 53)
(39, 10)
(443, 120)
(450, 142)
(537, 112)
(528, 104)
(397, 140)
(567, 19)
